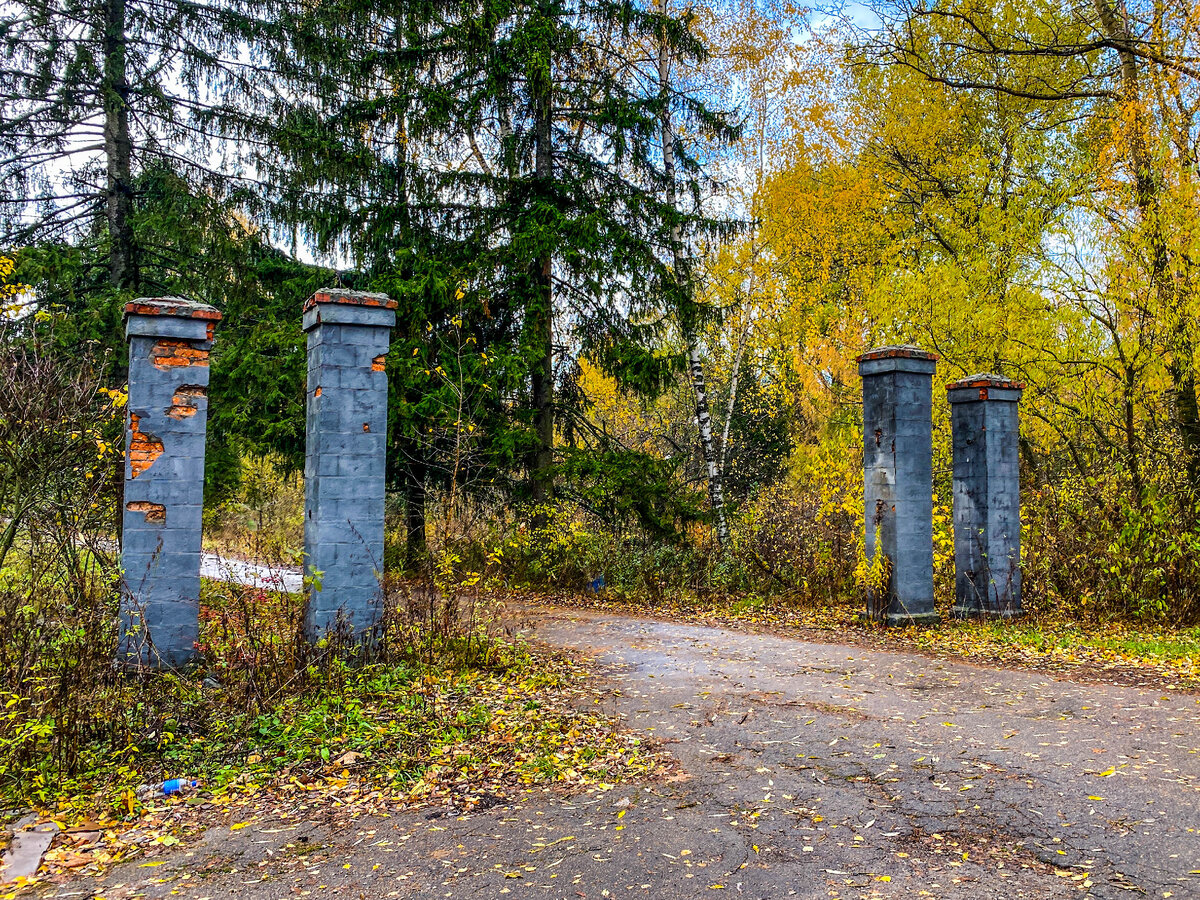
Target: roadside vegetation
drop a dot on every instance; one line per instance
(447, 707)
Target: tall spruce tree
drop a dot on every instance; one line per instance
(95, 94)
(497, 167)
(124, 131)
(581, 219)
(367, 174)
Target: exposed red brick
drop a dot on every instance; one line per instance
(185, 402)
(350, 298)
(144, 448)
(379, 363)
(168, 306)
(317, 392)
(986, 381)
(170, 353)
(901, 352)
(155, 512)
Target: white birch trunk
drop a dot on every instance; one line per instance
(733, 390)
(716, 494)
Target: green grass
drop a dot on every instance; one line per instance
(1165, 646)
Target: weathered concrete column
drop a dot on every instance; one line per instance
(987, 496)
(898, 479)
(167, 413)
(348, 337)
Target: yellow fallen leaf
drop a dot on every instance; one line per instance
(150, 865)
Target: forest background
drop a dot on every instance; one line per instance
(636, 249)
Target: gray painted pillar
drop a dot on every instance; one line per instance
(898, 479)
(167, 413)
(348, 337)
(987, 496)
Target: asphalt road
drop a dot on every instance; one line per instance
(802, 770)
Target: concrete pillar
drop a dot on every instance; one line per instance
(348, 337)
(987, 496)
(167, 412)
(898, 479)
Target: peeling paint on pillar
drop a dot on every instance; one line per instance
(167, 413)
(898, 479)
(348, 337)
(987, 496)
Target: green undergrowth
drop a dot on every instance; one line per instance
(411, 731)
(443, 706)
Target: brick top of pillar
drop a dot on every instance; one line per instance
(349, 298)
(332, 306)
(172, 306)
(985, 379)
(984, 386)
(903, 358)
(899, 351)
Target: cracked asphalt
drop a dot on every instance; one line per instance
(800, 770)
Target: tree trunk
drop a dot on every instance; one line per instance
(118, 151)
(716, 493)
(9, 535)
(541, 308)
(416, 553)
(731, 406)
(1148, 192)
(411, 454)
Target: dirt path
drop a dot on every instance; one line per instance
(804, 770)
(251, 574)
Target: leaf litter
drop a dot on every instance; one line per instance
(517, 732)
